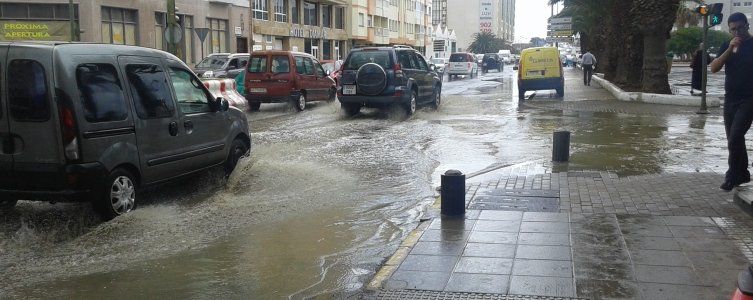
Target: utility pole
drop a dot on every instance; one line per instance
(251, 28)
(712, 16)
(71, 15)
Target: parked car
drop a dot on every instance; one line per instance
(440, 65)
(94, 122)
(462, 63)
(388, 76)
(333, 68)
(285, 76)
(540, 69)
(223, 65)
(492, 61)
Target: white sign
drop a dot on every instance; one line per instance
(561, 20)
(485, 16)
(560, 26)
(566, 33)
(238, 31)
(559, 39)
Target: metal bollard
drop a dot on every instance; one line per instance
(453, 193)
(561, 147)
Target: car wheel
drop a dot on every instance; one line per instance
(7, 204)
(561, 91)
(237, 151)
(255, 106)
(410, 107)
(118, 195)
(332, 95)
(350, 109)
(300, 103)
(437, 97)
(521, 94)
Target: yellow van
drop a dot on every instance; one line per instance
(540, 69)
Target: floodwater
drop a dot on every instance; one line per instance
(324, 199)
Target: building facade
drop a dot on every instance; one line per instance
(470, 17)
(131, 22)
(391, 22)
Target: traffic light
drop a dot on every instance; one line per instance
(716, 19)
(703, 10)
(715, 13)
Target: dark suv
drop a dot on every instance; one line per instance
(491, 61)
(387, 76)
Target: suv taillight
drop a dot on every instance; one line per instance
(68, 127)
(398, 71)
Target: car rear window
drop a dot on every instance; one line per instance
(458, 58)
(360, 58)
(258, 64)
(27, 91)
(102, 94)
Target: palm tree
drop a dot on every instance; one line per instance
(486, 42)
(655, 33)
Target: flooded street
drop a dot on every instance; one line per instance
(324, 199)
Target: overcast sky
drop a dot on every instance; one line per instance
(530, 19)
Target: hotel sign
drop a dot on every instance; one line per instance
(315, 33)
(34, 31)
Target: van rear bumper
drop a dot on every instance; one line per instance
(81, 182)
(374, 101)
(266, 98)
(540, 84)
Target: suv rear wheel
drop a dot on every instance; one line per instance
(300, 102)
(118, 195)
(410, 107)
(437, 97)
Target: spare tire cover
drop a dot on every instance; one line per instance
(371, 79)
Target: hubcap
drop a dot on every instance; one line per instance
(122, 195)
(439, 97)
(413, 103)
(302, 102)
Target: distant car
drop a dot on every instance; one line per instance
(286, 77)
(388, 77)
(222, 65)
(440, 65)
(479, 58)
(492, 61)
(462, 63)
(540, 69)
(333, 68)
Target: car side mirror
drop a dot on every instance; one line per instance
(433, 67)
(222, 104)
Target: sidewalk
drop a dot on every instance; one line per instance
(538, 233)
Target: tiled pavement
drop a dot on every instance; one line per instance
(669, 236)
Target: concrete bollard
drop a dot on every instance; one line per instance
(453, 193)
(561, 146)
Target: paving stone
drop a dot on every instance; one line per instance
(658, 291)
(696, 232)
(717, 260)
(445, 223)
(490, 250)
(493, 237)
(542, 286)
(453, 248)
(604, 270)
(705, 244)
(642, 230)
(660, 258)
(478, 283)
(610, 240)
(606, 289)
(429, 263)
(543, 252)
(484, 265)
(554, 268)
(444, 235)
(665, 274)
(688, 221)
(551, 227)
(544, 239)
(652, 243)
(505, 226)
(500, 215)
(545, 217)
(421, 280)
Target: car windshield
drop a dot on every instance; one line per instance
(360, 58)
(458, 58)
(213, 62)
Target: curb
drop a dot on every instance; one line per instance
(711, 100)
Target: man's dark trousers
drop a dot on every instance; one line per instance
(588, 70)
(738, 115)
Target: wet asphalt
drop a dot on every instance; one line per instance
(324, 199)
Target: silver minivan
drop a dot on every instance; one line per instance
(96, 122)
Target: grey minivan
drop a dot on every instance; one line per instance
(95, 122)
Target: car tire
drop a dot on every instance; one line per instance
(437, 97)
(6, 205)
(117, 196)
(410, 107)
(332, 95)
(350, 109)
(521, 94)
(254, 106)
(299, 103)
(237, 150)
(561, 91)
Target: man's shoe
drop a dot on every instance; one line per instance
(727, 186)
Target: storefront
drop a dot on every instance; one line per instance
(36, 22)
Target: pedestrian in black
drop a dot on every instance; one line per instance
(588, 61)
(736, 56)
(695, 78)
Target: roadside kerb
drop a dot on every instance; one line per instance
(712, 100)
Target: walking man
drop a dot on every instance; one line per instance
(736, 56)
(588, 63)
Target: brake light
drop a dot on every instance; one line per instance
(68, 127)
(398, 71)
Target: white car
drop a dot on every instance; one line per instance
(462, 63)
(440, 64)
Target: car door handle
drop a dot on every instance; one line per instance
(173, 128)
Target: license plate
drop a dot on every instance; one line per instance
(349, 89)
(536, 73)
(258, 90)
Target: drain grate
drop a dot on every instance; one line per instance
(423, 294)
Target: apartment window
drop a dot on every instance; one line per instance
(327, 15)
(281, 10)
(393, 2)
(188, 38)
(370, 21)
(361, 19)
(748, 3)
(260, 10)
(340, 17)
(119, 26)
(327, 50)
(735, 3)
(217, 35)
(160, 24)
(310, 14)
(294, 12)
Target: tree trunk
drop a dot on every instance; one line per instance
(655, 79)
